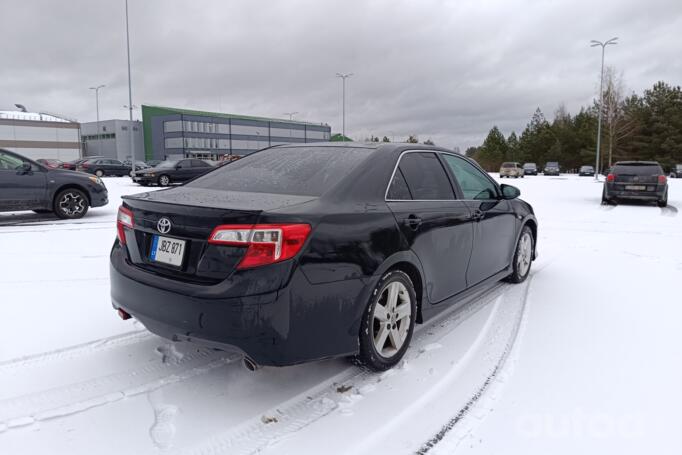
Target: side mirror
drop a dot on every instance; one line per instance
(25, 168)
(510, 192)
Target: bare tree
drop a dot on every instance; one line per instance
(618, 126)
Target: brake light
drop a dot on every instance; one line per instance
(610, 177)
(123, 220)
(662, 179)
(265, 243)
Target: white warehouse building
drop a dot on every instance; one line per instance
(40, 135)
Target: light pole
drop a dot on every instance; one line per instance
(343, 78)
(603, 45)
(290, 114)
(130, 93)
(96, 89)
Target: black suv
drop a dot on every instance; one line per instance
(551, 168)
(676, 171)
(636, 180)
(105, 166)
(172, 172)
(27, 185)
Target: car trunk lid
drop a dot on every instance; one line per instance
(193, 213)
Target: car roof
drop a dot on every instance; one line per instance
(643, 163)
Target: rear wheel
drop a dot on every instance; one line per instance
(388, 324)
(164, 180)
(663, 202)
(71, 204)
(605, 200)
(523, 256)
(99, 173)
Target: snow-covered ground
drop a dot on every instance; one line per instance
(584, 357)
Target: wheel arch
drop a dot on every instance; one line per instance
(407, 262)
(67, 186)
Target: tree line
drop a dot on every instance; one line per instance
(634, 127)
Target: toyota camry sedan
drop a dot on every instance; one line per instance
(304, 252)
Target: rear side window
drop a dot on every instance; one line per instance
(637, 169)
(301, 171)
(474, 184)
(425, 177)
(398, 191)
(199, 163)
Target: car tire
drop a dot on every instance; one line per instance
(523, 256)
(605, 200)
(130, 174)
(387, 328)
(99, 173)
(71, 204)
(164, 180)
(663, 202)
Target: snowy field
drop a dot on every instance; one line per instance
(584, 357)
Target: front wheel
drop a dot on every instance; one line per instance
(523, 256)
(71, 204)
(99, 173)
(164, 180)
(388, 324)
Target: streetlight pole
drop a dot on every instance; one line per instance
(603, 45)
(96, 89)
(290, 114)
(343, 77)
(130, 94)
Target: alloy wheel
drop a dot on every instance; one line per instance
(391, 319)
(72, 204)
(525, 252)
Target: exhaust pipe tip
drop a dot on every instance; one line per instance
(123, 314)
(250, 364)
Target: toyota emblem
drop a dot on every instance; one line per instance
(164, 225)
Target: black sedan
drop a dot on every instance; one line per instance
(169, 172)
(676, 171)
(301, 252)
(636, 180)
(27, 185)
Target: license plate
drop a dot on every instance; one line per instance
(635, 187)
(168, 251)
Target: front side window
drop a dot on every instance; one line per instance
(425, 177)
(9, 162)
(474, 183)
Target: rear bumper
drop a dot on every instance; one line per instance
(296, 323)
(614, 193)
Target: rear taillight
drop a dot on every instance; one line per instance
(610, 177)
(265, 243)
(123, 220)
(662, 179)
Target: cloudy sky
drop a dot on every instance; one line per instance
(446, 70)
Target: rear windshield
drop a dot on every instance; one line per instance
(529, 165)
(508, 164)
(637, 169)
(300, 171)
(586, 168)
(552, 164)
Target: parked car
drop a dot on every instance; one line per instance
(676, 171)
(51, 163)
(530, 169)
(586, 171)
(169, 172)
(73, 165)
(636, 180)
(551, 168)
(511, 169)
(304, 252)
(28, 185)
(139, 165)
(105, 166)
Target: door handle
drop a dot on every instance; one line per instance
(477, 215)
(413, 222)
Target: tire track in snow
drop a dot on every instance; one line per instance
(77, 397)
(306, 408)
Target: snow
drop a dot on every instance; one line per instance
(582, 357)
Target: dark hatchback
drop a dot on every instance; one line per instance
(636, 180)
(28, 185)
(168, 172)
(298, 253)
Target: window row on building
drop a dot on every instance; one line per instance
(176, 126)
(93, 137)
(214, 143)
